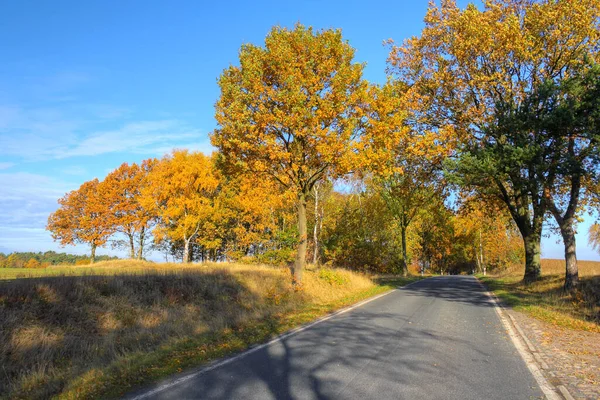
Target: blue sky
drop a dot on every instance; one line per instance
(87, 85)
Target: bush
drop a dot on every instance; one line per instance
(332, 277)
(276, 257)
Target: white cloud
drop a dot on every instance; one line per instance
(27, 200)
(6, 165)
(51, 133)
(139, 137)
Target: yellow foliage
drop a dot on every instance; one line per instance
(33, 263)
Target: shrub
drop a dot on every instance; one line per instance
(332, 277)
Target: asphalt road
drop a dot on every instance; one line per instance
(439, 338)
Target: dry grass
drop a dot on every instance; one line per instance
(552, 266)
(546, 300)
(97, 331)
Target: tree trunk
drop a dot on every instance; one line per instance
(316, 229)
(572, 273)
(404, 256)
(565, 221)
(186, 251)
(301, 255)
(482, 263)
(93, 256)
(140, 254)
(131, 246)
(533, 266)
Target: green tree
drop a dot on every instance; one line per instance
(470, 69)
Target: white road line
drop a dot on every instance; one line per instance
(548, 389)
(226, 361)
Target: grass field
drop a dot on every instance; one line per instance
(90, 332)
(546, 300)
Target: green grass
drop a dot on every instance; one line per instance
(546, 300)
(98, 332)
(399, 281)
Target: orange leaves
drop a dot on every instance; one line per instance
(122, 189)
(467, 60)
(180, 192)
(292, 109)
(83, 217)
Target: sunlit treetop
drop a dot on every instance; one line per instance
(292, 109)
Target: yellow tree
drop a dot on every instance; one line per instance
(292, 111)
(475, 69)
(32, 263)
(249, 209)
(122, 190)
(492, 237)
(181, 190)
(83, 217)
(405, 159)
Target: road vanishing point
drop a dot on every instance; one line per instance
(439, 338)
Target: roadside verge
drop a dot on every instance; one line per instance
(527, 351)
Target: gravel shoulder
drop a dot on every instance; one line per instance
(571, 357)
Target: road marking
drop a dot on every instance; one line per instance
(251, 350)
(548, 389)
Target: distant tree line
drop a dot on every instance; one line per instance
(42, 260)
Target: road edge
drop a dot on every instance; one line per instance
(521, 344)
(219, 363)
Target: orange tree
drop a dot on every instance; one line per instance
(181, 192)
(83, 217)
(473, 69)
(122, 190)
(293, 111)
(250, 209)
(406, 160)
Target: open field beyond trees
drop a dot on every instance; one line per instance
(84, 332)
(546, 299)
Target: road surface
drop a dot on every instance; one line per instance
(439, 338)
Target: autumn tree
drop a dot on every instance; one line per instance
(435, 231)
(83, 217)
(122, 190)
(593, 191)
(33, 263)
(490, 236)
(358, 230)
(250, 210)
(292, 111)
(405, 157)
(181, 191)
(594, 236)
(470, 69)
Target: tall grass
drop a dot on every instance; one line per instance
(545, 299)
(92, 330)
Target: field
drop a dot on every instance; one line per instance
(89, 332)
(546, 300)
